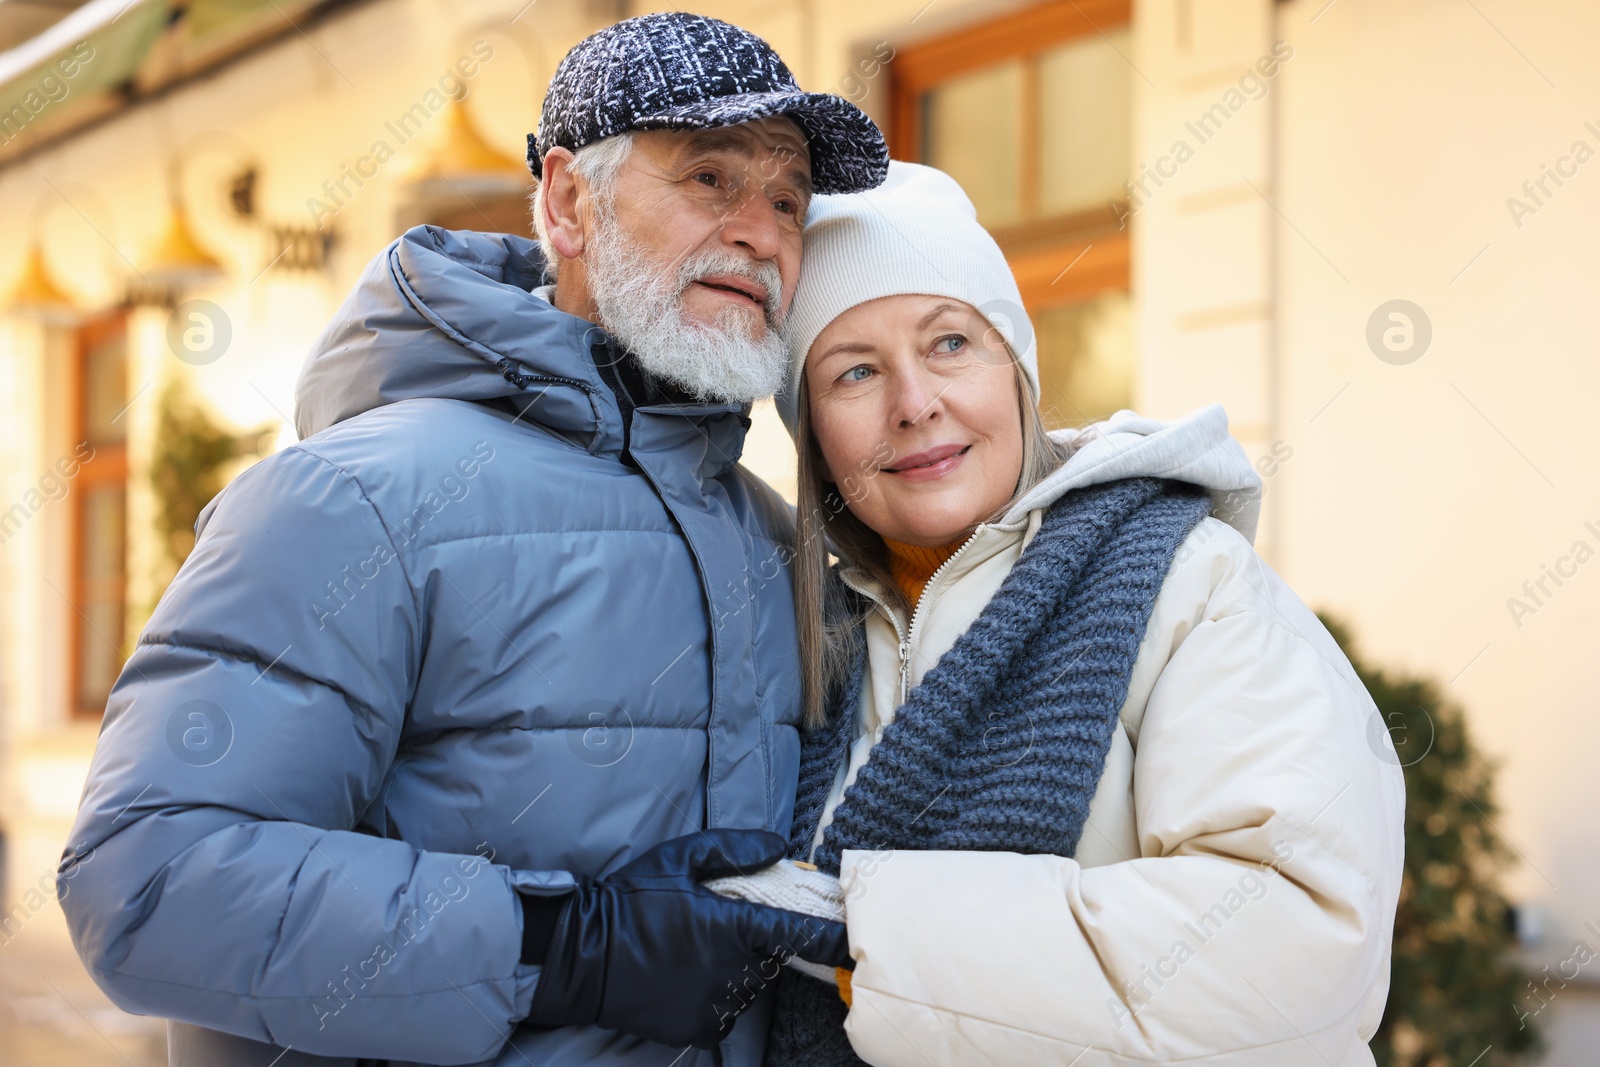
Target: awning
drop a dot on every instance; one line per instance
(110, 53)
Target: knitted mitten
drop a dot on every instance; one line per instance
(793, 886)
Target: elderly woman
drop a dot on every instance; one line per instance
(1098, 788)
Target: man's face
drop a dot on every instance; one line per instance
(737, 194)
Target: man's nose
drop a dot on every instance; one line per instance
(751, 222)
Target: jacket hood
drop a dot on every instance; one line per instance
(1195, 449)
(437, 314)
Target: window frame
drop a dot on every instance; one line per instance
(1057, 260)
(109, 465)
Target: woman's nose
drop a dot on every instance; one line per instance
(918, 398)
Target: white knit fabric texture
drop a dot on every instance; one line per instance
(917, 233)
(789, 886)
(792, 887)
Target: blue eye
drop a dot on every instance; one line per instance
(852, 374)
(955, 341)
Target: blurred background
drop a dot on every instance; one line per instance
(1366, 228)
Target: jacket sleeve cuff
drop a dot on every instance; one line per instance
(539, 916)
(541, 896)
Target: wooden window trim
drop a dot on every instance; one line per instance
(108, 465)
(1058, 260)
(926, 64)
(1066, 274)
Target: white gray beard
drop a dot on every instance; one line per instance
(642, 306)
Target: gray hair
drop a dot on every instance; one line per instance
(597, 164)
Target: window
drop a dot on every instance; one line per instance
(494, 214)
(1033, 114)
(100, 523)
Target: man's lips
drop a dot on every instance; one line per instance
(926, 461)
(732, 283)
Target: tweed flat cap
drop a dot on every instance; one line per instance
(679, 71)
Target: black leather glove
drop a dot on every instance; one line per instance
(649, 951)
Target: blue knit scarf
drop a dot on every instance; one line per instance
(1001, 746)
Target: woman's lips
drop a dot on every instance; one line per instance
(930, 465)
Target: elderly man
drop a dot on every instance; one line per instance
(425, 752)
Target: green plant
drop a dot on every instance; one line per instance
(189, 466)
(1453, 990)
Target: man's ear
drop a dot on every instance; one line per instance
(563, 221)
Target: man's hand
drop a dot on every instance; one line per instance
(649, 951)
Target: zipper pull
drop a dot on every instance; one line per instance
(905, 663)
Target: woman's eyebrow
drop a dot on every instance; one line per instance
(927, 320)
(856, 348)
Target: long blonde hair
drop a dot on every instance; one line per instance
(829, 628)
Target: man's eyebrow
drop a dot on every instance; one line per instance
(927, 320)
(720, 140)
(715, 140)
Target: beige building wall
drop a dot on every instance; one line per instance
(1431, 491)
(1418, 488)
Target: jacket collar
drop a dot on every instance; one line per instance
(452, 314)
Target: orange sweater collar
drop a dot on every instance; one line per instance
(912, 565)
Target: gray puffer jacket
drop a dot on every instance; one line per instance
(488, 624)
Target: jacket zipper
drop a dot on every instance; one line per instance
(905, 634)
(916, 616)
(522, 379)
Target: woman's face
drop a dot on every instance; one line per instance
(914, 407)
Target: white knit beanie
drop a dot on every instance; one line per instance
(917, 233)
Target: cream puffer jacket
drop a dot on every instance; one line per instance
(1232, 900)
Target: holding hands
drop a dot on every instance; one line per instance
(649, 950)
